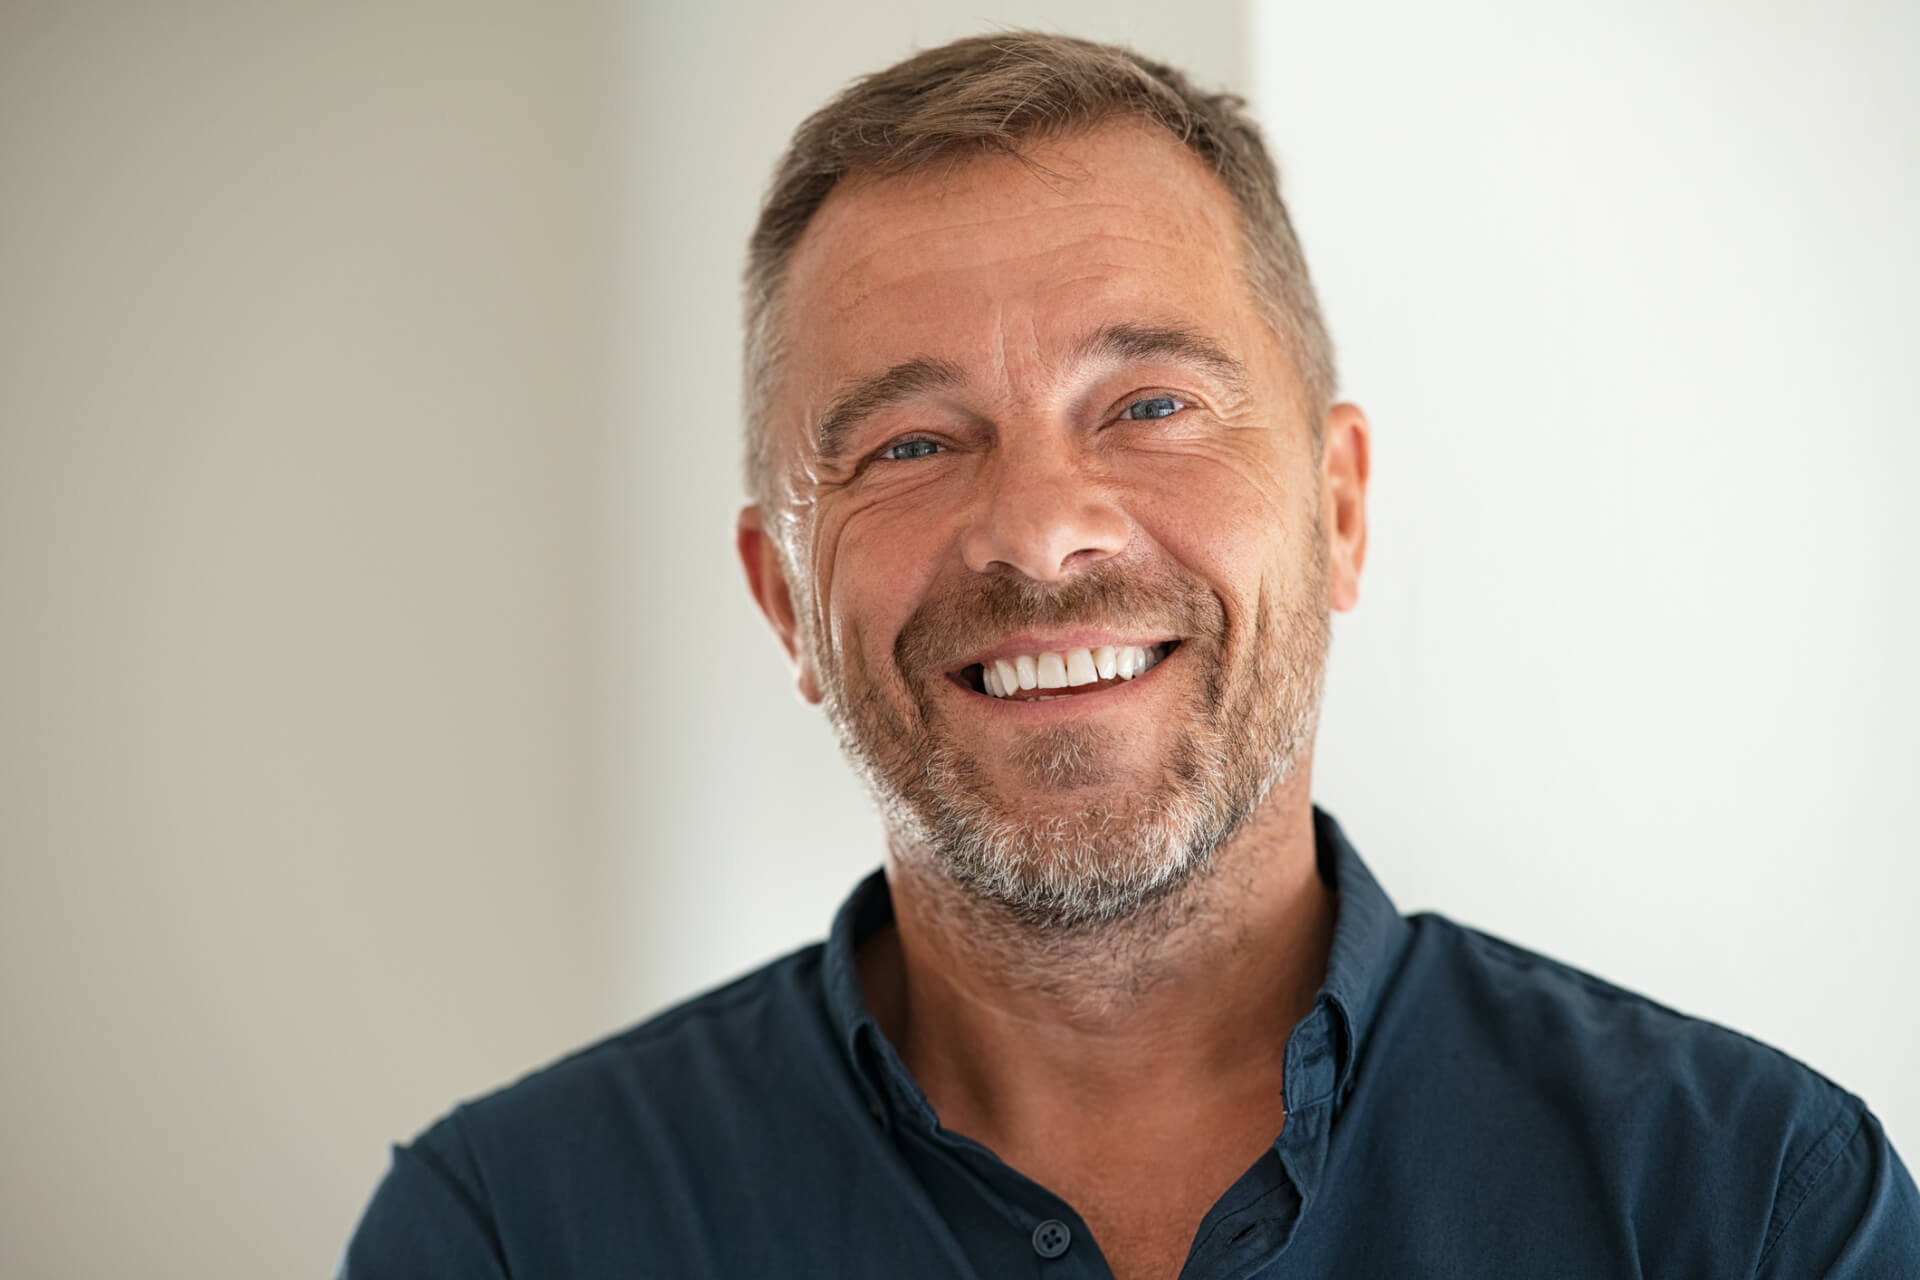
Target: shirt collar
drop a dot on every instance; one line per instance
(866, 910)
(1368, 936)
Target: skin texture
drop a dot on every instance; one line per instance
(888, 562)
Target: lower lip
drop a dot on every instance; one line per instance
(1069, 703)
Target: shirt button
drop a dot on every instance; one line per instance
(1051, 1238)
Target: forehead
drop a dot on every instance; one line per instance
(991, 259)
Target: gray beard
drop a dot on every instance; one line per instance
(1066, 864)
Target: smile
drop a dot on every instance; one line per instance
(1031, 677)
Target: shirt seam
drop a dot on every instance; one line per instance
(717, 1001)
(1798, 1186)
(478, 1202)
(1517, 957)
(723, 1000)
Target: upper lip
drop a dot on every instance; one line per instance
(1030, 642)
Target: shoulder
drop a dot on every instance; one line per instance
(1560, 1021)
(1698, 1134)
(749, 1049)
(625, 1147)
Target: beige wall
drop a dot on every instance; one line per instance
(381, 713)
(304, 375)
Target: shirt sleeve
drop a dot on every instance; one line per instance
(1849, 1212)
(427, 1220)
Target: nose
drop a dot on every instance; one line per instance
(1044, 516)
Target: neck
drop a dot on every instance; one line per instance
(1009, 1028)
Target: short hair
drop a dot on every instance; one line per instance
(995, 93)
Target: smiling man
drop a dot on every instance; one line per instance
(1052, 502)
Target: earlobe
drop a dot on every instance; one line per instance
(1346, 459)
(806, 683)
(767, 581)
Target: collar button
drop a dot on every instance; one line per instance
(1051, 1238)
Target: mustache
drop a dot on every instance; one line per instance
(957, 623)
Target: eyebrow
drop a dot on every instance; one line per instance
(1133, 343)
(871, 395)
(1118, 343)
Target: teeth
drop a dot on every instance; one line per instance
(1003, 676)
(1103, 661)
(1080, 667)
(1009, 678)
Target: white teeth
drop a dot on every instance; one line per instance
(1009, 678)
(1103, 661)
(1080, 668)
(1004, 677)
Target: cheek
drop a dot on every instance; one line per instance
(880, 563)
(1219, 504)
(1245, 526)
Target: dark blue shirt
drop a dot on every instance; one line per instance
(1456, 1107)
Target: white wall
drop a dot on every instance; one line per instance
(1628, 289)
(304, 530)
(1628, 294)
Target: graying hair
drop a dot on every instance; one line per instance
(995, 93)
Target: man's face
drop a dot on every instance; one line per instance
(1030, 424)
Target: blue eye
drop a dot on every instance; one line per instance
(1152, 407)
(910, 449)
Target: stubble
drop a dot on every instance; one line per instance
(1069, 849)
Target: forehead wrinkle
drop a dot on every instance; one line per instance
(1020, 352)
(887, 243)
(1088, 258)
(884, 199)
(878, 241)
(888, 246)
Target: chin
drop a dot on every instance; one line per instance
(1089, 843)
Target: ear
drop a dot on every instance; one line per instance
(767, 580)
(1345, 460)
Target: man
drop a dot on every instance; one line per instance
(1052, 502)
